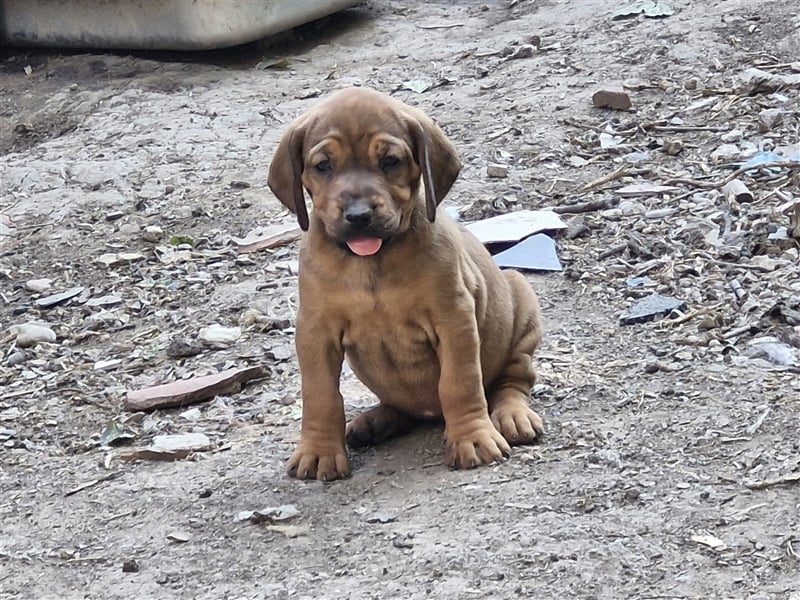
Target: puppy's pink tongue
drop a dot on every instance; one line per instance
(364, 246)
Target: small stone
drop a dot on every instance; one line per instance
(693, 83)
(181, 537)
(182, 347)
(128, 230)
(219, 336)
(523, 51)
(629, 208)
(50, 301)
(772, 350)
(497, 170)
(611, 96)
(130, 566)
(726, 152)
(105, 365)
(16, 358)
(381, 517)
(769, 119)
(152, 233)
(651, 307)
(114, 215)
(193, 414)
(30, 334)
(196, 442)
(577, 161)
(113, 259)
(108, 300)
(731, 137)
(38, 286)
(652, 366)
(672, 147)
(281, 352)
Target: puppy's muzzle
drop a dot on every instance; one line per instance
(358, 214)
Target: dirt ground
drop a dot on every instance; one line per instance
(670, 464)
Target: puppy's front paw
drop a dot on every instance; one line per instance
(517, 423)
(474, 445)
(315, 462)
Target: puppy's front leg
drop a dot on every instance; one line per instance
(321, 451)
(470, 437)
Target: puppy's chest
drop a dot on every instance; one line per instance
(388, 328)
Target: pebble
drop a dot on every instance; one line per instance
(38, 285)
(130, 566)
(180, 537)
(726, 152)
(112, 259)
(16, 358)
(152, 233)
(181, 347)
(651, 307)
(733, 136)
(772, 350)
(197, 442)
(108, 300)
(50, 301)
(497, 170)
(219, 336)
(672, 147)
(30, 334)
(611, 96)
(628, 208)
(769, 119)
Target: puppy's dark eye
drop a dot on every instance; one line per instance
(389, 162)
(324, 166)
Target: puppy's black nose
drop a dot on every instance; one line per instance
(358, 214)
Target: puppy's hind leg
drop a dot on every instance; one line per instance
(510, 392)
(377, 425)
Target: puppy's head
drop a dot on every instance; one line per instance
(362, 156)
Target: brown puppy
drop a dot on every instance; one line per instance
(417, 305)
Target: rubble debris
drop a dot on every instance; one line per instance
(755, 81)
(168, 448)
(534, 253)
(497, 170)
(38, 286)
(649, 8)
(772, 350)
(769, 119)
(182, 347)
(30, 334)
(644, 190)
(130, 566)
(651, 307)
(189, 391)
(613, 97)
(265, 238)
(115, 259)
(152, 234)
(219, 336)
(179, 536)
(55, 299)
(272, 514)
(514, 226)
(737, 190)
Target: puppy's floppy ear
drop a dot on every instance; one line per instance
(285, 171)
(437, 158)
